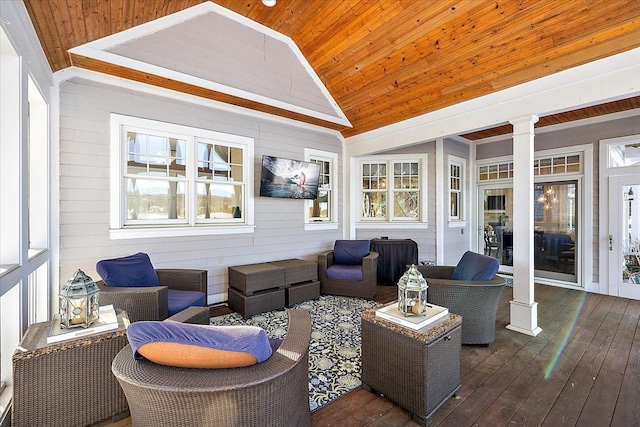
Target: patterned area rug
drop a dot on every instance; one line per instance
(334, 350)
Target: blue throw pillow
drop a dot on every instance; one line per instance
(350, 252)
(474, 266)
(199, 346)
(130, 271)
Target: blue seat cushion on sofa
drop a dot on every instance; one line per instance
(198, 346)
(130, 271)
(473, 266)
(350, 252)
(180, 300)
(345, 272)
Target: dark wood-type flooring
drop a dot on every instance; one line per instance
(582, 369)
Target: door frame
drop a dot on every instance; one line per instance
(614, 174)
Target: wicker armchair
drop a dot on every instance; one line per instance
(152, 302)
(365, 288)
(272, 393)
(475, 301)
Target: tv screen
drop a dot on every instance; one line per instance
(290, 179)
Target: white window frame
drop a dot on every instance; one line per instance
(191, 226)
(460, 220)
(390, 221)
(330, 223)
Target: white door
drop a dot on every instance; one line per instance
(624, 236)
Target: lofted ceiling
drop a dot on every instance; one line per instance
(389, 60)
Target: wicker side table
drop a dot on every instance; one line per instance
(68, 383)
(418, 370)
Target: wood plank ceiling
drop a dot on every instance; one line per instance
(390, 60)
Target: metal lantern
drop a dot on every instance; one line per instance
(79, 301)
(412, 293)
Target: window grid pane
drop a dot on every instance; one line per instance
(321, 206)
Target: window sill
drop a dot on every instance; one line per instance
(457, 224)
(155, 232)
(310, 226)
(392, 225)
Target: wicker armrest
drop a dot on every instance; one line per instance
(140, 303)
(183, 279)
(370, 268)
(193, 314)
(436, 271)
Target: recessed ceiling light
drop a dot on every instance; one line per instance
(269, 3)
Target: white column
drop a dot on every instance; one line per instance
(524, 310)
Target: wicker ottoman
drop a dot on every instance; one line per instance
(418, 370)
(252, 278)
(297, 270)
(259, 302)
(302, 292)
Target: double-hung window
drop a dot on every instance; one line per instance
(173, 180)
(393, 189)
(456, 191)
(323, 211)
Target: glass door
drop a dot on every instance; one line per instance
(556, 248)
(624, 236)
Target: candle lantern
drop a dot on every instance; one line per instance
(79, 301)
(412, 293)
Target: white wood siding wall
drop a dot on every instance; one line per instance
(84, 187)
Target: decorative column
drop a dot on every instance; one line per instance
(524, 310)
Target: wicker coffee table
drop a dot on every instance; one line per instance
(417, 369)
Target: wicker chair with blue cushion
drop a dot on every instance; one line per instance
(350, 269)
(271, 392)
(471, 289)
(131, 283)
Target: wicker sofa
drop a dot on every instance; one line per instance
(475, 301)
(271, 393)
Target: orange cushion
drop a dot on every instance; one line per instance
(194, 356)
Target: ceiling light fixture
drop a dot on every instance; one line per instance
(269, 3)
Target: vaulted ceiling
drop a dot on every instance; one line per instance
(389, 60)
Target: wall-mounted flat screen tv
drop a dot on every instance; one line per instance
(290, 179)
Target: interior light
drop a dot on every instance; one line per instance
(269, 3)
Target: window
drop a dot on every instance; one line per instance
(323, 211)
(392, 189)
(456, 190)
(171, 180)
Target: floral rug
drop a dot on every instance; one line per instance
(334, 350)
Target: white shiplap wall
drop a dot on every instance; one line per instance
(85, 107)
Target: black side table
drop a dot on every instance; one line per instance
(394, 256)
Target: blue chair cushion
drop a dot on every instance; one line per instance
(180, 300)
(350, 252)
(198, 346)
(130, 271)
(345, 272)
(473, 266)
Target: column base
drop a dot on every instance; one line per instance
(524, 318)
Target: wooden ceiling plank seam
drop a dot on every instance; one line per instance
(311, 33)
(449, 58)
(372, 42)
(395, 53)
(341, 33)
